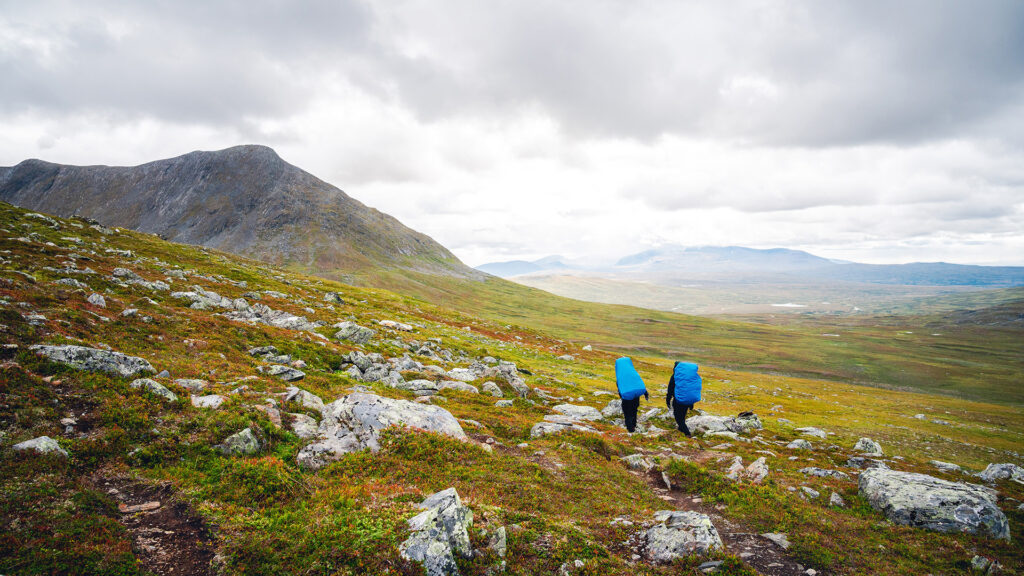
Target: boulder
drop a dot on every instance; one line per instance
(210, 401)
(744, 422)
(799, 444)
(353, 332)
(456, 385)
(42, 445)
(438, 533)
(492, 389)
(394, 325)
(945, 466)
(97, 300)
(757, 471)
(638, 462)
(354, 422)
(263, 314)
(823, 473)
(812, 431)
(680, 534)
(286, 373)
(94, 359)
(240, 443)
(579, 412)
(192, 384)
(298, 396)
(154, 387)
(613, 409)
(704, 423)
(303, 425)
(934, 504)
(1005, 471)
(554, 427)
(462, 374)
(504, 403)
(868, 447)
(865, 463)
(836, 500)
(419, 387)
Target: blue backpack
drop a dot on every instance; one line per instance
(631, 386)
(687, 382)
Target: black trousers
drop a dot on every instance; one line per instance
(679, 412)
(629, 408)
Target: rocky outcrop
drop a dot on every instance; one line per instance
(263, 314)
(94, 359)
(680, 534)
(354, 422)
(439, 533)
(934, 504)
(42, 445)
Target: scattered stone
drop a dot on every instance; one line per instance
(810, 492)
(438, 533)
(1005, 471)
(613, 409)
(353, 332)
(396, 325)
(42, 445)
(579, 412)
(823, 473)
(554, 427)
(868, 447)
(836, 500)
(303, 398)
(462, 374)
(638, 462)
(212, 401)
(286, 373)
(680, 534)
(865, 463)
(799, 444)
(240, 443)
(192, 384)
(354, 422)
(94, 359)
(934, 504)
(456, 385)
(757, 471)
(499, 542)
(778, 538)
(492, 389)
(735, 469)
(588, 348)
(812, 431)
(503, 403)
(154, 387)
(945, 466)
(97, 300)
(135, 509)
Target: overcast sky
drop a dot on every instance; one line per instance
(875, 131)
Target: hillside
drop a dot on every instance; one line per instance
(245, 200)
(200, 470)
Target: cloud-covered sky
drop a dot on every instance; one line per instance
(868, 130)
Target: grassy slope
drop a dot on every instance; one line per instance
(965, 360)
(558, 495)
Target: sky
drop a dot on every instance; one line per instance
(866, 130)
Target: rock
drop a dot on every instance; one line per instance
(588, 348)
(286, 373)
(864, 463)
(868, 447)
(757, 471)
(934, 504)
(211, 401)
(823, 473)
(241, 311)
(240, 443)
(680, 534)
(154, 387)
(438, 533)
(836, 500)
(777, 538)
(354, 422)
(503, 403)
(613, 409)
(97, 300)
(136, 508)
(94, 359)
(744, 422)
(420, 387)
(296, 395)
(799, 444)
(1005, 471)
(735, 469)
(705, 423)
(192, 384)
(456, 385)
(578, 412)
(333, 297)
(492, 389)
(263, 351)
(462, 374)
(549, 427)
(499, 542)
(353, 333)
(980, 563)
(944, 466)
(812, 431)
(303, 425)
(396, 325)
(810, 492)
(42, 445)
(638, 462)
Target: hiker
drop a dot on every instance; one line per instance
(683, 392)
(631, 388)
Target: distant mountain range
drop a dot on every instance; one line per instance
(675, 265)
(245, 200)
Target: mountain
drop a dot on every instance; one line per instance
(245, 200)
(722, 258)
(519, 267)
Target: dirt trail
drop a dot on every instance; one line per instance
(167, 535)
(757, 551)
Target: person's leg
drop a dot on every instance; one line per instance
(629, 409)
(679, 411)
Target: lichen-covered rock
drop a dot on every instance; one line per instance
(554, 427)
(154, 387)
(303, 398)
(456, 385)
(864, 463)
(680, 534)
(303, 425)
(705, 423)
(813, 432)
(462, 374)
(394, 325)
(354, 422)
(286, 373)
(613, 409)
(799, 444)
(934, 504)
(868, 446)
(439, 533)
(42, 445)
(492, 389)
(192, 384)
(240, 443)
(744, 422)
(757, 471)
(945, 466)
(823, 473)
(97, 300)
(353, 332)
(94, 359)
(419, 387)
(1009, 471)
(211, 401)
(638, 462)
(579, 412)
